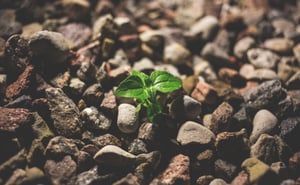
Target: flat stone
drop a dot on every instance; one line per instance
(220, 118)
(87, 72)
(49, 46)
(92, 177)
(263, 122)
(109, 103)
(61, 172)
(225, 170)
(242, 46)
(93, 95)
(176, 171)
(262, 75)
(60, 146)
(95, 120)
(194, 133)
(262, 58)
(279, 45)
(114, 157)
(15, 119)
(64, 113)
(127, 119)
(22, 85)
(29, 29)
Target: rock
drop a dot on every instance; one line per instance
(242, 46)
(17, 178)
(296, 51)
(205, 93)
(282, 26)
(294, 81)
(204, 162)
(154, 39)
(61, 172)
(262, 58)
(189, 83)
(128, 180)
(60, 146)
(137, 146)
(216, 56)
(92, 177)
(3, 84)
(14, 120)
(49, 46)
(176, 172)
(125, 25)
(232, 77)
(279, 45)
(270, 149)
(145, 64)
(294, 164)
(241, 179)
(77, 33)
(23, 85)
(94, 120)
(286, 68)
(220, 118)
(232, 146)
(109, 103)
(127, 119)
(262, 75)
(30, 29)
(84, 161)
(185, 107)
(30, 176)
(289, 129)
(61, 80)
(218, 182)
(241, 120)
(8, 24)
(265, 96)
(263, 122)
(204, 69)
(280, 169)
(64, 113)
(225, 170)
(176, 54)
(148, 132)
(93, 95)
(106, 139)
(194, 133)
(120, 59)
(76, 10)
(23, 101)
(206, 27)
(87, 72)
(77, 86)
(288, 182)
(114, 157)
(259, 172)
(204, 180)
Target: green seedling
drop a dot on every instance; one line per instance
(144, 89)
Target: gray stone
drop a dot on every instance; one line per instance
(120, 59)
(204, 69)
(289, 129)
(282, 26)
(270, 149)
(64, 113)
(93, 95)
(176, 54)
(185, 107)
(77, 86)
(87, 72)
(49, 46)
(143, 65)
(194, 133)
(127, 119)
(60, 146)
(115, 157)
(137, 146)
(216, 56)
(95, 120)
(263, 122)
(92, 177)
(106, 139)
(242, 46)
(279, 45)
(225, 170)
(262, 58)
(205, 27)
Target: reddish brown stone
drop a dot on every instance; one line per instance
(204, 93)
(232, 77)
(12, 119)
(241, 179)
(109, 103)
(221, 117)
(177, 171)
(22, 84)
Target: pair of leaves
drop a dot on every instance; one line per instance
(140, 86)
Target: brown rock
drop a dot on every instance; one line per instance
(176, 172)
(109, 103)
(204, 93)
(14, 119)
(17, 178)
(232, 77)
(204, 180)
(22, 85)
(294, 163)
(60, 146)
(279, 45)
(61, 172)
(84, 161)
(106, 139)
(220, 118)
(241, 179)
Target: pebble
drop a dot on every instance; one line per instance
(270, 149)
(176, 171)
(231, 77)
(262, 58)
(125, 25)
(206, 27)
(93, 95)
(218, 181)
(77, 86)
(263, 122)
(76, 10)
(127, 119)
(29, 29)
(23, 85)
(289, 128)
(204, 162)
(279, 45)
(204, 180)
(241, 179)
(137, 146)
(176, 54)
(194, 133)
(225, 170)
(262, 75)
(148, 132)
(282, 26)
(61, 172)
(49, 46)
(220, 118)
(106, 139)
(8, 24)
(281, 169)
(95, 120)
(145, 64)
(60, 146)
(205, 93)
(259, 172)
(93, 177)
(64, 113)
(215, 55)
(114, 157)
(232, 146)
(87, 72)
(109, 103)
(185, 107)
(204, 69)
(130, 179)
(242, 46)
(120, 59)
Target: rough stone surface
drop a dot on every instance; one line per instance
(106, 139)
(220, 118)
(205, 27)
(194, 133)
(289, 129)
(261, 58)
(60, 146)
(95, 120)
(204, 93)
(64, 113)
(127, 119)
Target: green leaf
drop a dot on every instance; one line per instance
(145, 78)
(165, 82)
(132, 87)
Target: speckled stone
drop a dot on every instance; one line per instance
(262, 58)
(205, 93)
(95, 120)
(60, 146)
(220, 118)
(106, 139)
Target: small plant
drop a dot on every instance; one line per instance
(144, 89)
